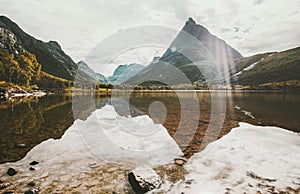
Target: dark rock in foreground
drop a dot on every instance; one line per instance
(143, 180)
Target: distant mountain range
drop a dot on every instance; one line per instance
(123, 72)
(194, 57)
(83, 68)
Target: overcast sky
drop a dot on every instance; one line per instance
(250, 26)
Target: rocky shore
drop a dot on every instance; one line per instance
(6, 93)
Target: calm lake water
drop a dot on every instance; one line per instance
(193, 119)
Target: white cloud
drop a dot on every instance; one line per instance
(78, 25)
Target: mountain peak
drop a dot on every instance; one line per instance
(190, 21)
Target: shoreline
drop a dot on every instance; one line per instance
(9, 93)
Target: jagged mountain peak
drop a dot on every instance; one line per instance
(193, 43)
(190, 21)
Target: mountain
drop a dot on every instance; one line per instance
(84, 69)
(267, 68)
(124, 72)
(50, 55)
(195, 55)
(20, 67)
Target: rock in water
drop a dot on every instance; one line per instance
(143, 180)
(11, 172)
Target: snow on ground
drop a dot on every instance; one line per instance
(247, 160)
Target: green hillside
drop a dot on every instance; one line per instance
(270, 68)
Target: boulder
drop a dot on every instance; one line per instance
(143, 180)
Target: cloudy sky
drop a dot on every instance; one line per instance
(250, 26)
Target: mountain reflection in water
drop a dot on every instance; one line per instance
(29, 121)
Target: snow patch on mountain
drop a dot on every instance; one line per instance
(248, 68)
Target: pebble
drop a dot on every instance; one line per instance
(32, 191)
(94, 165)
(20, 145)
(31, 184)
(9, 192)
(92, 183)
(112, 169)
(180, 161)
(32, 169)
(11, 172)
(4, 185)
(74, 184)
(33, 163)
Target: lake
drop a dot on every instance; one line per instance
(193, 119)
(89, 142)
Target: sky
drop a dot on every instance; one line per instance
(250, 26)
